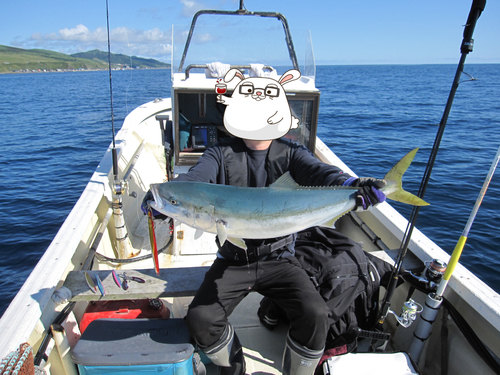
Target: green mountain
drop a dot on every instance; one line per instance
(17, 59)
(119, 59)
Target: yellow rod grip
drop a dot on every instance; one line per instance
(455, 256)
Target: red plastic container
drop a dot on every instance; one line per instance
(124, 309)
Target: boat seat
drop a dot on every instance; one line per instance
(171, 282)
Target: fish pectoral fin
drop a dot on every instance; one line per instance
(221, 231)
(240, 242)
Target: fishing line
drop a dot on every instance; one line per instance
(123, 245)
(130, 76)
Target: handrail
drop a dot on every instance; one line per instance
(243, 12)
(205, 66)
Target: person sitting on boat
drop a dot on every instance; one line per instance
(257, 159)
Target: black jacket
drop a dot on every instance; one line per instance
(226, 164)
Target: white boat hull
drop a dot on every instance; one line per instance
(33, 309)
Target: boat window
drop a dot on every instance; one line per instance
(235, 44)
(303, 110)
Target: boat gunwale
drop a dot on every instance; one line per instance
(482, 298)
(21, 317)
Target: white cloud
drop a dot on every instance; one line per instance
(153, 43)
(81, 33)
(190, 7)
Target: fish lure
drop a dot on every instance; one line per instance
(99, 285)
(90, 282)
(152, 239)
(116, 278)
(126, 279)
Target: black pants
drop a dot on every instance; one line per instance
(283, 280)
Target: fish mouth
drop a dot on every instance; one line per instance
(156, 196)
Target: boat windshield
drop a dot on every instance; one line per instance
(241, 40)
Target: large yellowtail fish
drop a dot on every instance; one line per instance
(285, 207)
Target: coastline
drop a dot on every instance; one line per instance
(29, 71)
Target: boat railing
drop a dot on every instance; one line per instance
(205, 66)
(243, 12)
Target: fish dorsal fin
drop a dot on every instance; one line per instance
(286, 181)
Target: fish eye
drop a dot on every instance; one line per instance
(172, 201)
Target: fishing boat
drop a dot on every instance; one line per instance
(109, 258)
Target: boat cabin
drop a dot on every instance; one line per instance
(197, 117)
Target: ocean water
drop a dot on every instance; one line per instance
(55, 128)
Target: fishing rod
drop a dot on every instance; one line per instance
(461, 243)
(123, 245)
(114, 153)
(467, 45)
(434, 300)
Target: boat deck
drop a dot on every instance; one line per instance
(263, 348)
(180, 276)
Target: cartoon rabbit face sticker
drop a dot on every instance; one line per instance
(258, 108)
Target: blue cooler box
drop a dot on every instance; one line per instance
(138, 346)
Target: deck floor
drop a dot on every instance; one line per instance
(263, 348)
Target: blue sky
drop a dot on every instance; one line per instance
(343, 32)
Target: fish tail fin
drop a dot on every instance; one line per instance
(394, 189)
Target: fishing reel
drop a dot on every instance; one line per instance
(430, 277)
(119, 187)
(409, 313)
(432, 274)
